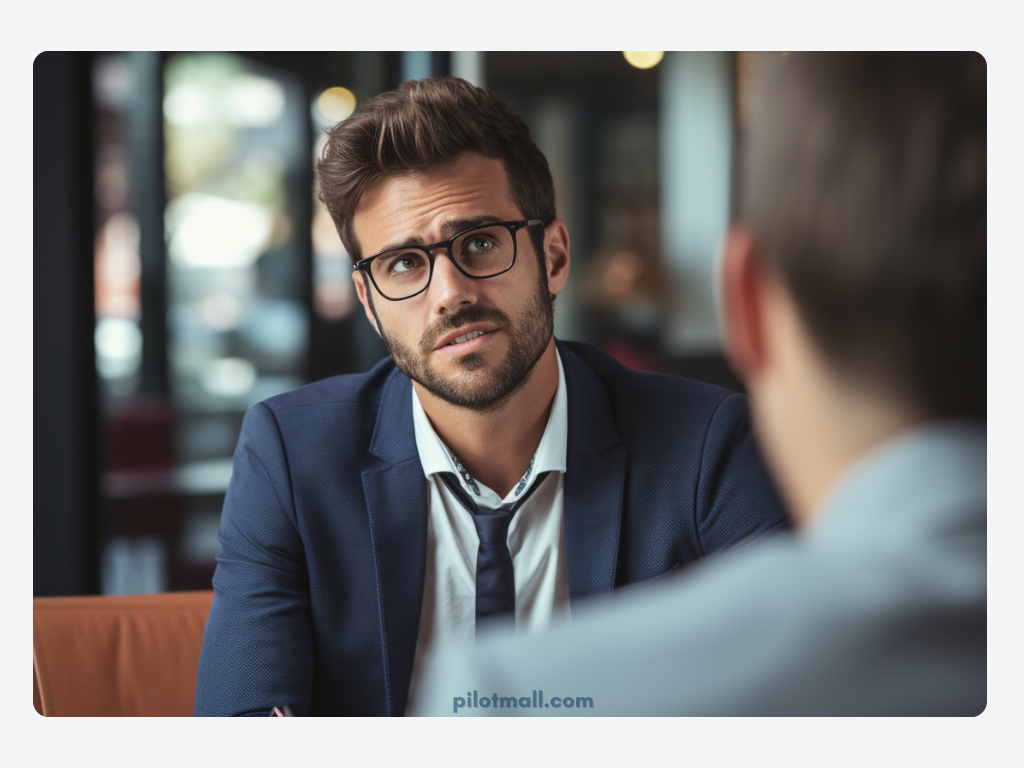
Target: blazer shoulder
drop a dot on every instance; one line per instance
(335, 417)
(356, 388)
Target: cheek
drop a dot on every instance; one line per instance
(399, 324)
(511, 296)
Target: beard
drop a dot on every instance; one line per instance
(475, 386)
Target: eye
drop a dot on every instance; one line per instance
(404, 264)
(479, 244)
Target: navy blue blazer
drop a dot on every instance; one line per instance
(319, 581)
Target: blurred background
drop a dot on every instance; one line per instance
(184, 269)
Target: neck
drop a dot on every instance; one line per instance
(496, 446)
(821, 430)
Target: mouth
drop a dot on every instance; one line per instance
(466, 339)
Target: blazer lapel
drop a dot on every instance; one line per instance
(396, 498)
(595, 480)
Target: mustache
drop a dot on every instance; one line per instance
(449, 323)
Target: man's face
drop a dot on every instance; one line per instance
(513, 311)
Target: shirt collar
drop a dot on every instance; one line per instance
(551, 451)
(550, 455)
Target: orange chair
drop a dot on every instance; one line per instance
(117, 655)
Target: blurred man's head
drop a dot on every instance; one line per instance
(855, 276)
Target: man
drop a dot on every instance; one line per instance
(854, 287)
(484, 472)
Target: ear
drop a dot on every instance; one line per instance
(744, 303)
(362, 291)
(556, 255)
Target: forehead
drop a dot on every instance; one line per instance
(416, 207)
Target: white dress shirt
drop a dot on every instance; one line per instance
(536, 539)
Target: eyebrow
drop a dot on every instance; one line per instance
(448, 230)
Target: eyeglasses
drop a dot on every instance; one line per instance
(487, 250)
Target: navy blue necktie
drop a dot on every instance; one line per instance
(495, 580)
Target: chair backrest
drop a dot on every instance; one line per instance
(118, 655)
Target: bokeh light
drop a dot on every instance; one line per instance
(337, 103)
(228, 376)
(644, 59)
(210, 231)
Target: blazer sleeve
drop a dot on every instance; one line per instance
(258, 644)
(737, 503)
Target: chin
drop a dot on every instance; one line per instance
(474, 361)
(476, 386)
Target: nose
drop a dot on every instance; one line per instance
(449, 288)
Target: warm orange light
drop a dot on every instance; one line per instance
(644, 59)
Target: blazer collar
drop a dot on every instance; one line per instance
(394, 437)
(396, 502)
(595, 480)
(591, 426)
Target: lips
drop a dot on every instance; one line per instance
(466, 333)
(465, 337)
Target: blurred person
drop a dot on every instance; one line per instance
(483, 472)
(854, 307)
(622, 291)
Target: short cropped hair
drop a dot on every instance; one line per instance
(864, 184)
(420, 126)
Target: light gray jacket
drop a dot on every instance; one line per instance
(879, 608)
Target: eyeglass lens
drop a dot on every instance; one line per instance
(482, 252)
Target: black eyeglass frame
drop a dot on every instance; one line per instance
(363, 265)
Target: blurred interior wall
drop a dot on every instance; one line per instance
(696, 151)
(469, 65)
(146, 140)
(65, 418)
(556, 131)
(416, 65)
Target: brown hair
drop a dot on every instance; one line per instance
(864, 183)
(420, 126)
